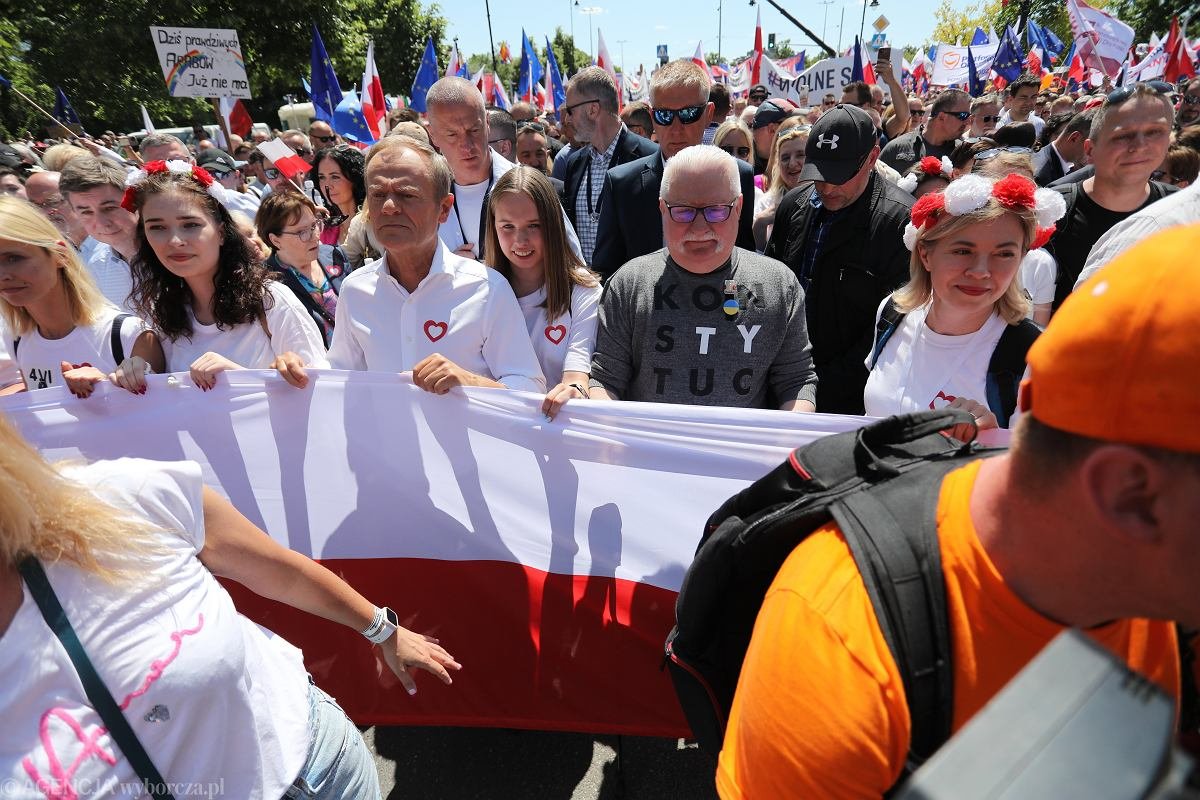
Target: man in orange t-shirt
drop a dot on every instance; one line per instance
(1089, 520)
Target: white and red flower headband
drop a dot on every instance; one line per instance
(931, 166)
(970, 193)
(178, 167)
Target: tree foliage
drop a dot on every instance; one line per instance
(103, 57)
(569, 57)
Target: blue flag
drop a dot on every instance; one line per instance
(974, 85)
(856, 72)
(427, 75)
(558, 90)
(325, 90)
(349, 122)
(800, 62)
(62, 108)
(304, 84)
(5, 82)
(980, 37)
(1010, 58)
(1051, 45)
(531, 71)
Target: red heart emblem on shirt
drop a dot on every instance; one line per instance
(949, 398)
(556, 333)
(435, 330)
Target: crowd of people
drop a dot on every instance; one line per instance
(865, 255)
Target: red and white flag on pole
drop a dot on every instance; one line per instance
(237, 118)
(1103, 39)
(374, 106)
(1181, 60)
(603, 59)
(455, 63)
(698, 58)
(757, 56)
(284, 158)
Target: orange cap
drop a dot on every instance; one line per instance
(1120, 360)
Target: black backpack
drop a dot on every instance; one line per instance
(114, 339)
(1005, 368)
(880, 484)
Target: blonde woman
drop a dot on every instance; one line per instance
(783, 174)
(955, 335)
(132, 550)
(64, 332)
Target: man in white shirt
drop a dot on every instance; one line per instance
(449, 319)
(94, 188)
(1022, 100)
(458, 128)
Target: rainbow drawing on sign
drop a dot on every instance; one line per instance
(190, 58)
(236, 57)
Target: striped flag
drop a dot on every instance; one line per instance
(284, 158)
(374, 104)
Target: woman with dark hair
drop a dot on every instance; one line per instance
(290, 225)
(196, 281)
(339, 173)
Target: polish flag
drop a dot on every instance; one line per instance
(757, 56)
(604, 61)
(284, 158)
(1033, 62)
(455, 63)
(374, 106)
(1181, 61)
(237, 118)
(698, 58)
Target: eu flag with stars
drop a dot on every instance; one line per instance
(427, 76)
(1009, 57)
(326, 92)
(62, 108)
(974, 84)
(558, 90)
(980, 37)
(531, 70)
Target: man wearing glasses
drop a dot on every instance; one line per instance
(985, 117)
(628, 225)
(704, 322)
(592, 108)
(1189, 105)
(299, 141)
(42, 190)
(947, 121)
(320, 135)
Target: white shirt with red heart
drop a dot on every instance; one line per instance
(563, 344)
(461, 309)
(920, 370)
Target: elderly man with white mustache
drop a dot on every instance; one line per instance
(703, 321)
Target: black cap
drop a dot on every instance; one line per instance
(758, 89)
(213, 159)
(9, 157)
(838, 144)
(767, 113)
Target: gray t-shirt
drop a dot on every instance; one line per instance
(732, 337)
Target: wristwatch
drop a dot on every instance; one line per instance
(382, 626)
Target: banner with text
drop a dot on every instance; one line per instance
(828, 76)
(201, 62)
(950, 67)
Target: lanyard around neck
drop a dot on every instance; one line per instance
(482, 210)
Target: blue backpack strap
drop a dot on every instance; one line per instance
(889, 320)
(1006, 368)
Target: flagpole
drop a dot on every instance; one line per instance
(216, 104)
(488, 8)
(48, 115)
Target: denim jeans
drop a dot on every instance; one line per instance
(338, 764)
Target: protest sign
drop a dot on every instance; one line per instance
(201, 62)
(950, 66)
(829, 75)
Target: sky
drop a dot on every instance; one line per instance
(634, 28)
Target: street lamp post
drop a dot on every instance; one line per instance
(589, 12)
(622, 43)
(862, 26)
(825, 21)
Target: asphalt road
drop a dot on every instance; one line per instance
(480, 764)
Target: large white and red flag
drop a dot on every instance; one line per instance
(545, 556)
(698, 57)
(1103, 40)
(756, 56)
(284, 158)
(603, 59)
(374, 104)
(1181, 58)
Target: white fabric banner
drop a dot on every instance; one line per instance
(950, 67)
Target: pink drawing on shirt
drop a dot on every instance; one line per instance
(556, 333)
(949, 398)
(440, 327)
(61, 788)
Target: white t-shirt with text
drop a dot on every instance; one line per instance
(40, 359)
(566, 343)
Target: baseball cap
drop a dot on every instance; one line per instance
(769, 112)
(758, 89)
(1119, 360)
(838, 144)
(215, 160)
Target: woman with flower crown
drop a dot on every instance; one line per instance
(939, 337)
(199, 284)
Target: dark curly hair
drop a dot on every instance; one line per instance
(163, 298)
(352, 163)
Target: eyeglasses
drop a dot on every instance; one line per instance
(712, 214)
(308, 233)
(829, 103)
(961, 116)
(570, 110)
(687, 115)
(995, 118)
(304, 151)
(1192, 99)
(992, 152)
(323, 139)
(1118, 96)
(737, 152)
(271, 173)
(917, 112)
(533, 126)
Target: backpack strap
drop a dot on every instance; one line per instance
(892, 533)
(114, 338)
(1189, 692)
(16, 344)
(1007, 367)
(889, 320)
(97, 693)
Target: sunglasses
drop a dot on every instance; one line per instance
(323, 139)
(712, 214)
(737, 152)
(995, 151)
(569, 110)
(1118, 96)
(687, 115)
(1192, 99)
(271, 173)
(920, 113)
(991, 118)
(830, 103)
(304, 151)
(961, 116)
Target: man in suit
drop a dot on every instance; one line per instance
(630, 223)
(592, 108)
(1065, 153)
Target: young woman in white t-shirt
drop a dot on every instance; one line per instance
(61, 325)
(132, 550)
(526, 241)
(964, 290)
(202, 288)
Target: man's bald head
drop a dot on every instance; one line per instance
(42, 190)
